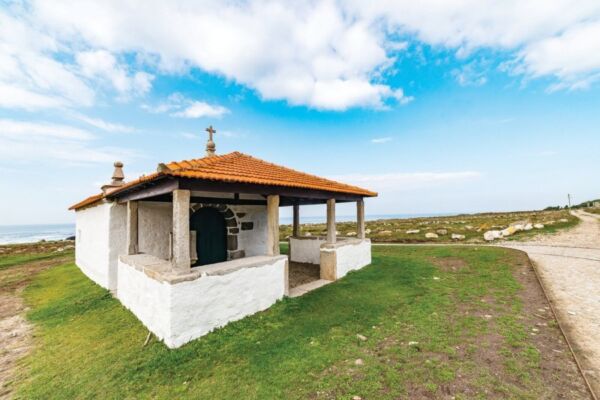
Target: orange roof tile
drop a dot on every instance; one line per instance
(237, 167)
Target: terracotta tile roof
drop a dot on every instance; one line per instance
(241, 168)
(86, 202)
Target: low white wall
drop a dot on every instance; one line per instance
(353, 256)
(147, 298)
(211, 302)
(306, 250)
(344, 256)
(155, 222)
(180, 312)
(100, 238)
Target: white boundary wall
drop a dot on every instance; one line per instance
(100, 238)
(180, 312)
(306, 249)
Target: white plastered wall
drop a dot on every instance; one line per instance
(352, 256)
(179, 312)
(100, 234)
(254, 241)
(306, 250)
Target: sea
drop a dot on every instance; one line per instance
(12, 234)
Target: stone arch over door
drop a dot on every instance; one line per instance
(232, 224)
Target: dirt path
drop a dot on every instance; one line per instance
(15, 330)
(569, 267)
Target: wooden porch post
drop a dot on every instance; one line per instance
(360, 218)
(331, 234)
(273, 225)
(296, 225)
(181, 261)
(132, 227)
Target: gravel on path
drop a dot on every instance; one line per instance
(569, 267)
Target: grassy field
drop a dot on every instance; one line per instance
(438, 323)
(593, 210)
(472, 226)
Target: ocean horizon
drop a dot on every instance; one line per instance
(18, 234)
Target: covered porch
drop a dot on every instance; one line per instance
(165, 238)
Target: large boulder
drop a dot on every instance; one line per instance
(442, 232)
(431, 235)
(456, 236)
(413, 231)
(538, 226)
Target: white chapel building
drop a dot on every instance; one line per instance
(195, 244)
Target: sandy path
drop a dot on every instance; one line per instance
(569, 266)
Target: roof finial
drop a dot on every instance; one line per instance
(117, 178)
(210, 145)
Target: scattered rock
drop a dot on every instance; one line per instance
(456, 236)
(351, 234)
(412, 231)
(361, 337)
(538, 226)
(511, 230)
(359, 361)
(436, 278)
(492, 235)
(308, 234)
(413, 343)
(563, 220)
(442, 232)
(431, 235)
(356, 398)
(367, 231)
(528, 226)
(385, 233)
(469, 227)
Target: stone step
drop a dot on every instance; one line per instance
(308, 287)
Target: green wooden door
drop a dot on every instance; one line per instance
(211, 236)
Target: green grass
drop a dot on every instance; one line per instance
(472, 226)
(21, 259)
(88, 346)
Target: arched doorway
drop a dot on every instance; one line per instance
(211, 236)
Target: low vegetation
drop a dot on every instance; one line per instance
(470, 227)
(427, 322)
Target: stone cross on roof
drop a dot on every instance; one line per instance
(210, 145)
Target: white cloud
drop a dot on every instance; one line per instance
(407, 180)
(200, 109)
(41, 142)
(316, 54)
(103, 65)
(323, 54)
(102, 124)
(181, 107)
(381, 140)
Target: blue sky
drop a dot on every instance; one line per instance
(457, 107)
